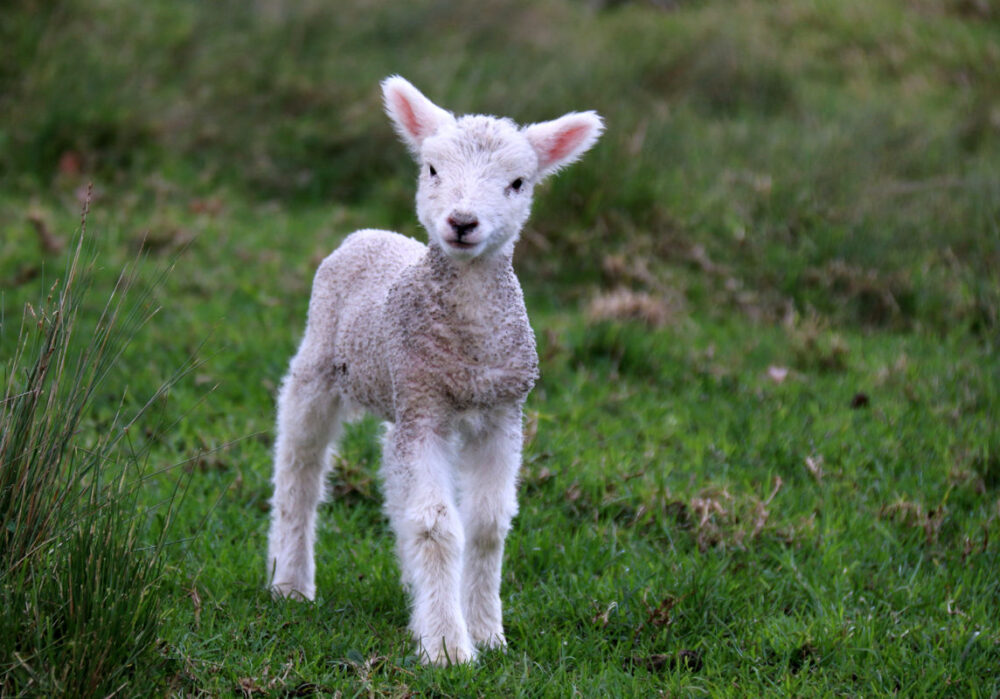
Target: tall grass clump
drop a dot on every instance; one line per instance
(80, 557)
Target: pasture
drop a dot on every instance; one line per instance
(763, 458)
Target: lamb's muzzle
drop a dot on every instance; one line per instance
(462, 225)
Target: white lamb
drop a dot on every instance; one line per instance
(434, 340)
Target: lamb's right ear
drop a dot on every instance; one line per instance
(414, 116)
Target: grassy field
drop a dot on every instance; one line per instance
(763, 458)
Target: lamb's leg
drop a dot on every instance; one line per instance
(308, 421)
(488, 492)
(419, 500)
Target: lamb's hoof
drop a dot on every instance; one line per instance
(293, 591)
(444, 653)
(494, 641)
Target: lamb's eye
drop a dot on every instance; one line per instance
(431, 170)
(517, 184)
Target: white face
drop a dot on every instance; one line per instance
(476, 180)
(477, 173)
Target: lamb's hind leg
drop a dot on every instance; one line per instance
(489, 464)
(309, 420)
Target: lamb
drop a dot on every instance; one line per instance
(435, 341)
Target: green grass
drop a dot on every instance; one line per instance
(810, 187)
(81, 552)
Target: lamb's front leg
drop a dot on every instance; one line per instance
(489, 466)
(420, 503)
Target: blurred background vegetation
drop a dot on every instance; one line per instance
(837, 159)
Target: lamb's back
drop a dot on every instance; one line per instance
(360, 271)
(346, 307)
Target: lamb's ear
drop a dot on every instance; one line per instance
(562, 141)
(414, 116)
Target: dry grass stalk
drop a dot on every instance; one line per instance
(624, 304)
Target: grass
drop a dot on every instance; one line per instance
(81, 554)
(763, 455)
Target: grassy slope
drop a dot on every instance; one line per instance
(653, 462)
(828, 207)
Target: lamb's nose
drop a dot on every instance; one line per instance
(462, 223)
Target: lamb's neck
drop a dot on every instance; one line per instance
(459, 276)
(475, 296)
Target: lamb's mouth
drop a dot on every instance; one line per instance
(461, 244)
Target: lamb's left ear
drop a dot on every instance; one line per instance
(562, 141)
(414, 116)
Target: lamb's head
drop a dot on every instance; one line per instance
(477, 173)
